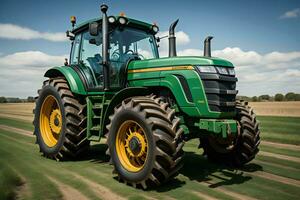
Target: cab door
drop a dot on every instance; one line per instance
(86, 60)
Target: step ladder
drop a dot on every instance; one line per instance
(96, 107)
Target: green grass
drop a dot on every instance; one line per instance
(16, 123)
(280, 129)
(19, 156)
(279, 150)
(9, 180)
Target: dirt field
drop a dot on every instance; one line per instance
(25, 174)
(21, 111)
(288, 108)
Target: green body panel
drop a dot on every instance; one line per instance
(168, 79)
(179, 60)
(72, 77)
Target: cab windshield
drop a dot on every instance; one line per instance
(128, 42)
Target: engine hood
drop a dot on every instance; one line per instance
(179, 60)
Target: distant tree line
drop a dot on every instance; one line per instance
(291, 96)
(16, 100)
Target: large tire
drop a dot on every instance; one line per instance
(162, 135)
(67, 138)
(241, 149)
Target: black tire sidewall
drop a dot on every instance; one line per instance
(46, 91)
(119, 118)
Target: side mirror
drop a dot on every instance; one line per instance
(94, 29)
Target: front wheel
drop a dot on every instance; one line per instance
(145, 141)
(239, 150)
(60, 121)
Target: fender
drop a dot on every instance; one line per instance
(70, 75)
(186, 95)
(119, 97)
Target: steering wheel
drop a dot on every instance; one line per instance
(133, 53)
(115, 55)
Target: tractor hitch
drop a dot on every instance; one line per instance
(224, 127)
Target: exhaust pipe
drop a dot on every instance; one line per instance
(207, 50)
(105, 55)
(172, 39)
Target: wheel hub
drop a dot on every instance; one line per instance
(55, 121)
(135, 145)
(131, 146)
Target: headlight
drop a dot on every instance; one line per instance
(231, 71)
(111, 19)
(207, 69)
(122, 20)
(222, 70)
(155, 28)
(216, 70)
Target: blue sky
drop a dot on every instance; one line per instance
(260, 37)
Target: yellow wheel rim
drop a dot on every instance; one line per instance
(131, 146)
(50, 121)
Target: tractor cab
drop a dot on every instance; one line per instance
(128, 40)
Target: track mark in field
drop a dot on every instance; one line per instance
(68, 192)
(279, 156)
(100, 190)
(147, 197)
(281, 145)
(276, 178)
(16, 130)
(227, 192)
(22, 190)
(17, 140)
(202, 196)
(276, 165)
(100, 174)
(12, 116)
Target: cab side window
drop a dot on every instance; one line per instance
(75, 50)
(91, 51)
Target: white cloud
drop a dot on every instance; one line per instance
(21, 73)
(292, 73)
(12, 31)
(291, 14)
(190, 52)
(181, 39)
(30, 59)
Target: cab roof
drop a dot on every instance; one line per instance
(131, 22)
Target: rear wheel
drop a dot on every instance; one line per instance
(60, 121)
(145, 141)
(239, 150)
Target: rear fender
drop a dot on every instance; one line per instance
(71, 76)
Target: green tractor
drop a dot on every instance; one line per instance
(115, 86)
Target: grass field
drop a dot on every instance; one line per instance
(25, 174)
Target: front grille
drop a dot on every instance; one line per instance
(220, 91)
